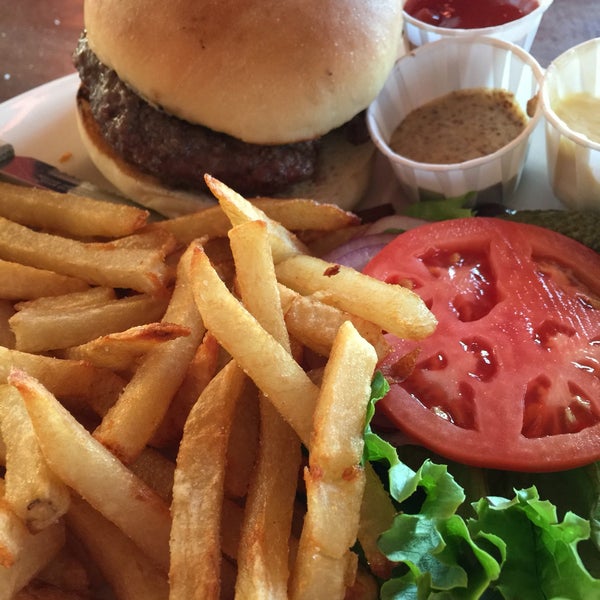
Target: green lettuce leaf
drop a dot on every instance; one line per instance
(509, 548)
(479, 533)
(435, 544)
(542, 559)
(440, 209)
(376, 448)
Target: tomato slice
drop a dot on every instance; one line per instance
(510, 379)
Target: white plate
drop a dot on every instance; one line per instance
(41, 123)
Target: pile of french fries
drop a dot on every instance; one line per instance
(183, 401)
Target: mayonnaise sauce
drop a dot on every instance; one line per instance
(581, 113)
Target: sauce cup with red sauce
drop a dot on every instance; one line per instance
(515, 21)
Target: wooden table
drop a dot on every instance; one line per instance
(37, 37)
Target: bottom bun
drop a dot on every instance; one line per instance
(343, 173)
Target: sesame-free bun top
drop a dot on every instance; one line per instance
(264, 71)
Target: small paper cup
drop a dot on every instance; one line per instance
(521, 31)
(435, 70)
(573, 159)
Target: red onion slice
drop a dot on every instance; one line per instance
(395, 223)
(358, 252)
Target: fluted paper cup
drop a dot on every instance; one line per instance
(434, 70)
(573, 158)
(521, 31)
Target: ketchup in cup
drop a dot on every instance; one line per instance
(469, 14)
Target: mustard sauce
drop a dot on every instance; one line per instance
(459, 126)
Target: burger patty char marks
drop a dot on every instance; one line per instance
(177, 152)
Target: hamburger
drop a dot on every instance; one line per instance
(267, 96)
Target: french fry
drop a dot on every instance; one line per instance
(202, 368)
(257, 352)
(300, 214)
(239, 210)
(243, 445)
(334, 479)
(394, 308)
(42, 329)
(120, 351)
(143, 270)
(67, 214)
(34, 493)
(96, 296)
(327, 577)
(263, 554)
(376, 516)
(256, 279)
(315, 323)
(20, 282)
(78, 384)
(22, 553)
(210, 222)
(295, 214)
(94, 473)
(148, 238)
(130, 424)
(130, 573)
(198, 489)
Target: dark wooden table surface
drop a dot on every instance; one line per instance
(37, 37)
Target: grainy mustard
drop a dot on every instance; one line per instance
(459, 126)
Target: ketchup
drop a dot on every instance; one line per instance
(468, 14)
